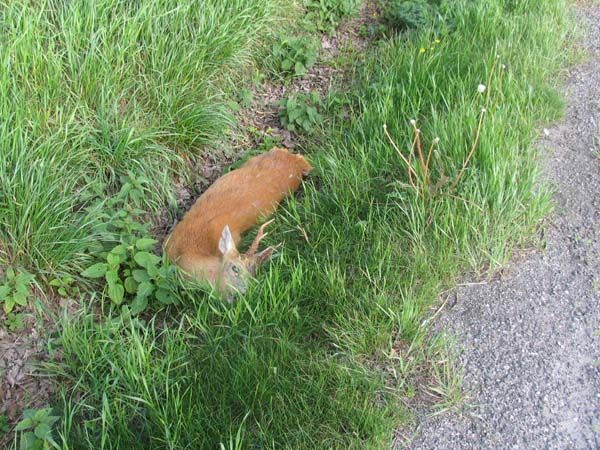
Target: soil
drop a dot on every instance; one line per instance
(22, 352)
(531, 338)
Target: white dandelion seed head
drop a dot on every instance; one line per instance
(481, 88)
(503, 66)
(483, 110)
(417, 130)
(413, 122)
(436, 140)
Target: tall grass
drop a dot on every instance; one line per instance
(90, 90)
(320, 352)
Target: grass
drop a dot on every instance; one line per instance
(325, 349)
(92, 90)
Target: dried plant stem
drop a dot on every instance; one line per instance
(410, 169)
(428, 158)
(421, 159)
(475, 142)
(424, 166)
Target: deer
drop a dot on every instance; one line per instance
(204, 244)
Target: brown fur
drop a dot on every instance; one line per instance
(237, 200)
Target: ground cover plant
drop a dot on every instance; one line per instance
(326, 15)
(301, 111)
(432, 173)
(293, 56)
(93, 90)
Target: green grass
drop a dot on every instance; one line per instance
(324, 350)
(91, 90)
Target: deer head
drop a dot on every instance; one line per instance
(236, 269)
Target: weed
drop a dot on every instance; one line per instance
(36, 429)
(301, 112)
(130, 269)
(14, 321)
(326, 15)
(293, 56)
(15, 289)
(372, 30)
(246, 98)
(65, 286)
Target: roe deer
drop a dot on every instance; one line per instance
(204, 243)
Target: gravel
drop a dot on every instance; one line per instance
(531, 339)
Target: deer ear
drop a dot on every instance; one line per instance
(226, 243)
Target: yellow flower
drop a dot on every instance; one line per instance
(437, 41)
(422, 50)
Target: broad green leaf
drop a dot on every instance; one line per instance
(24, 425)
(140, 275)
(293, 114)
(4, 291)
(96, 271)
(146, 259)
(29, 413)
(145, 289)
(145, 243)
(131, 285)
(152, 270)
(22, 288)
(24, 278)
(120, 250)
(286, 64)
(114, 259)
(116, 293)
(9, 304)
(29, 441)
(20, 298)
(139, 304)
(43, 430)
(112, 277)
(52, 419)
(164, 296)
(41, 414)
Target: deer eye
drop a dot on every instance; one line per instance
(235, 269)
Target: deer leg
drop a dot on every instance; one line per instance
(260, 235)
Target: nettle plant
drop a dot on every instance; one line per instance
(36, 429)
(132, 272)
(293, 56)
(301, 111)
(15, 289)
(65, 286)
(326, 15)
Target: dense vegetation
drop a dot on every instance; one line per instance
(101, 105)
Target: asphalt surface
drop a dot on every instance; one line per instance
(531, 339)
